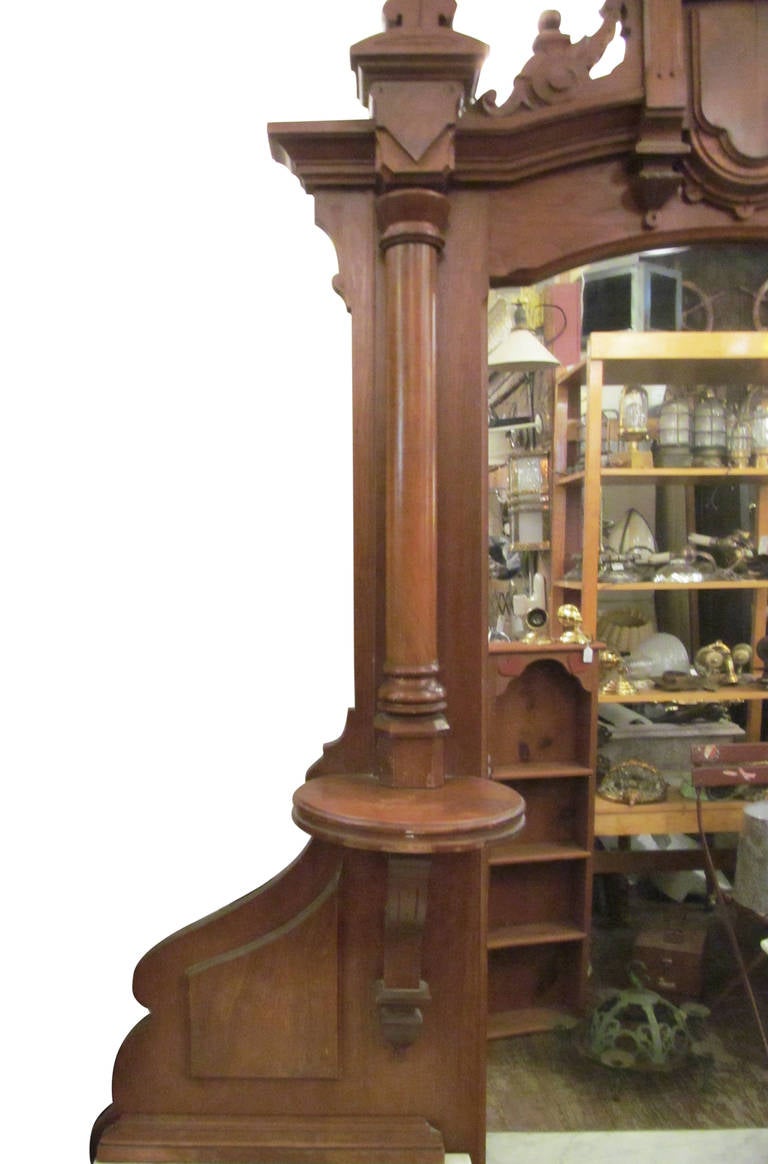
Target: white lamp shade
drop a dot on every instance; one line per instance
(520, 351)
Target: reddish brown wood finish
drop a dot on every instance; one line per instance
(656, 154)
(261, 1140)
(359, 811)
(411, 698)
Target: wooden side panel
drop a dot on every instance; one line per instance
(250, 965)
(230, 995)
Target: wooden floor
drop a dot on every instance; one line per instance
(543, 1083)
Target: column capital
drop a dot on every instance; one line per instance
(412, 214)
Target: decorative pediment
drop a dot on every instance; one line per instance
(559, 68)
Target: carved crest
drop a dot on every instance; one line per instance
(558, 67)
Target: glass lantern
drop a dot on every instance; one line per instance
(674, 447)
(633, 414)
(709, 431)
(758, 409)
(633, 423)
(740, 439)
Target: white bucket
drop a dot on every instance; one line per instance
(751, 884)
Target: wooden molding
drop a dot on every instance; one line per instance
(728, 166)
(293, 1139)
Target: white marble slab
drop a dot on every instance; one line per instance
(738, 1146)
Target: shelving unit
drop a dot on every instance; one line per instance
(617, 358)
(542, 700)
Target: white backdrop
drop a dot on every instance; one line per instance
(175, 512)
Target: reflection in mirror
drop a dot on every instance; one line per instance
(703, 288)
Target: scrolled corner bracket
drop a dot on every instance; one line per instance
(559, 67)
(655, 182)
(401, 993)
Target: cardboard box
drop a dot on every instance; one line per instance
(671, 960)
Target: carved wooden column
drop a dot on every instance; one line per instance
(411, 698)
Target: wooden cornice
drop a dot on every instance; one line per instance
(335, 154)
(652, 114)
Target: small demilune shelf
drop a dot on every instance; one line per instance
(524, 854)
(528, 1020)
(538, 770)
(533, 934)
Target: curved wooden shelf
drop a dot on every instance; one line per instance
(359, 812)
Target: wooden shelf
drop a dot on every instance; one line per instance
(527, 1021)
(542, 700)
(676, 814)
(504, 853)
(680, 357)
(624, 475)
(691, 476)
(513, 773)
(681, 587)
(533, 934)
(735, 694)
(746, 584)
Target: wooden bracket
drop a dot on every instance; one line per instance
(401, 992)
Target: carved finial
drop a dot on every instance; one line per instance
(423, 14)
(558, 66)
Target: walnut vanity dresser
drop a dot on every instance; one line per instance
(341, 1012)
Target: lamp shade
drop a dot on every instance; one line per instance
(520, 351)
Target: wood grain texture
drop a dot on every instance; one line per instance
(222, 1067)
(326, 1139)
(230, 994)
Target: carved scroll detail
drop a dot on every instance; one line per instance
(401, 992)
(558, 66)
